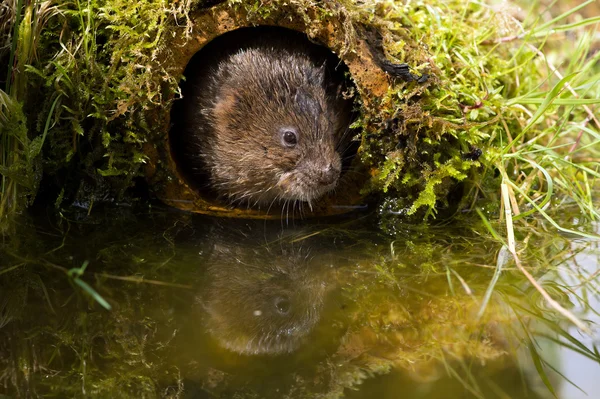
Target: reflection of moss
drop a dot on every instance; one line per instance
(394, 308)
(56, 341)
(85, 352)
(417, 339)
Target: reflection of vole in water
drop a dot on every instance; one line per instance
(265, 121)
(263, 302)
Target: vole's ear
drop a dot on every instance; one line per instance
(307, 104)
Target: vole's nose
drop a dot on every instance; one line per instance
(329, 174)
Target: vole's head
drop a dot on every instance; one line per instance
(278, 130)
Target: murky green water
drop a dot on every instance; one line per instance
(209, 308)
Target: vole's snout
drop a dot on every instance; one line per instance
(328, 175)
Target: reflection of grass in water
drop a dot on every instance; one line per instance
(405, 307)
(85, 349)
(467, 275)
(539, 255)
(509, 201)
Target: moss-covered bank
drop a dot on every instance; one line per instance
(97, 78)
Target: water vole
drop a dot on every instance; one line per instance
(265, 121)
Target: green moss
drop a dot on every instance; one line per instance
(434, 124)
(107, 67)
(428, 197)
(99, 75)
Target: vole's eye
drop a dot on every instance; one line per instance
(289, 137)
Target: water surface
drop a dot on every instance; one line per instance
(348, 307)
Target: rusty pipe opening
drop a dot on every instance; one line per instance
(172, 180)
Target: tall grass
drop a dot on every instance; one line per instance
(551, 164)
(547, 134)
(20, 149)
(553, 161)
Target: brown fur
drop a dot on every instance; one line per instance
(237, 115)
